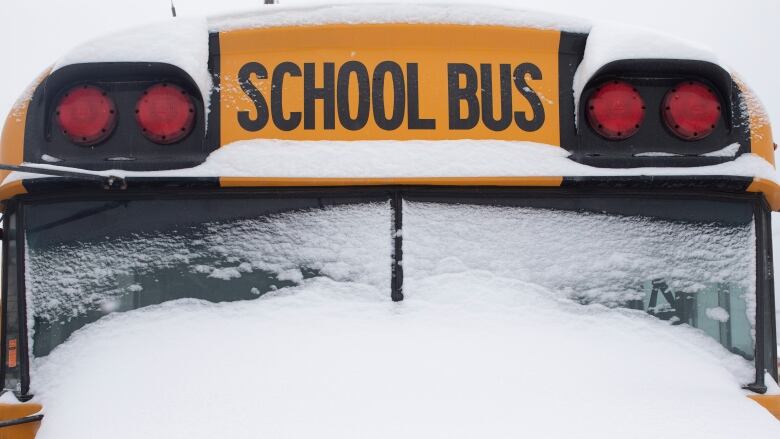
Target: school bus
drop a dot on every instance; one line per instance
(102, 148)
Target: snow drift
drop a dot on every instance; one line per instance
(467, 355)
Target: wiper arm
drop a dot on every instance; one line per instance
(108, 182)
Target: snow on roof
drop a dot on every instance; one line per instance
(183, 42)
(608, 42)
(468, 355)
(281, 15)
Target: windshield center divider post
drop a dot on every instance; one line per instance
(397, 275)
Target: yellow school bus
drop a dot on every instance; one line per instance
(302, 109)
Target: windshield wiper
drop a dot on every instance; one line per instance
(108, 182)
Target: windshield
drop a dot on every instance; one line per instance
(88, 259)
(684, 261)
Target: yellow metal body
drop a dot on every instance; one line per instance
(769, 402)
(423, 53)
(10, 412)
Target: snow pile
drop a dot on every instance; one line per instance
(608, 42)
(183, 42)
(466, 355)
(311, 15)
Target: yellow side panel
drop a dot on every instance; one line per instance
(769, 402)
(14, 411)
(761, 142)
(422, 56)
(769, 188)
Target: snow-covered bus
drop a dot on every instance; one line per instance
(198, 211)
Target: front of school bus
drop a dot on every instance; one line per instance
(395, 150)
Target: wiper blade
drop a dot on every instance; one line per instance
(108, 182)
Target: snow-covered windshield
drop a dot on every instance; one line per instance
(685, 261)
(88, 259)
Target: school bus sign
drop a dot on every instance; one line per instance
(354, 83)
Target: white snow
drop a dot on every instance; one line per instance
(728, 151)
(718, 314)
(182, 42)
(466, 355)
(310, 15)
(50, 159)
(414, 158)
(608, 42)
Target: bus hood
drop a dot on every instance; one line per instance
(467, 354)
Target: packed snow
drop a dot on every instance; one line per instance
(467, 355)
(487, 343)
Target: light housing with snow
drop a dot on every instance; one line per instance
(405, 163)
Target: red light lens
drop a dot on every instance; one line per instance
(86, 115)
(616, 110)
(691, 110)
(165, 113)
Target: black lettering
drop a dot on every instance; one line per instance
(378, 96)
(284, 124)
(261, 106)
(312, 93)
(456, 94)
(521, 120)
(486, 70)
(364, 95)
(415, 123)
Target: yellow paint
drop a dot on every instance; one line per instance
(424, 181)
(9, 190)
(769, 188)
(15, 411)
(769, 402)
(432, 47)
(12, 137)
(761, 142)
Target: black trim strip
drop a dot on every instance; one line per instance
(19, 421)
(4, 299)
(571, 49)
(23, 354)
(214, 128)
(397, 274)
(662, 182)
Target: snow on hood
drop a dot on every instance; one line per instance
(465, 355)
